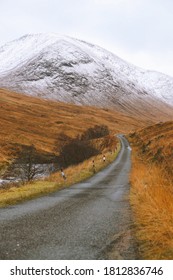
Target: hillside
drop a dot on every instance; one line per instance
(151, 192)
(73, 71)
(28, 120)
(156, 143)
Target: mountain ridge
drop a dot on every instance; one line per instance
(61, 68)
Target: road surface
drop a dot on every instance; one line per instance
(90, 220)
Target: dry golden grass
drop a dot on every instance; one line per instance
(152, 192)
(74, 175)
(27, 120)
(156, 142)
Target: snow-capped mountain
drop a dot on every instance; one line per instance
(70, 70)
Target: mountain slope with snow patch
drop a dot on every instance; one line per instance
(70, 70)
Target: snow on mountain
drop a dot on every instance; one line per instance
(70, 70)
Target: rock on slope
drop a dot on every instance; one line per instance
(70, 70)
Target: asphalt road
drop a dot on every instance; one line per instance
(90, 220)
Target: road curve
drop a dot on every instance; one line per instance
(89, 220)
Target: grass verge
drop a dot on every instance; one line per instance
(152, 203)
(75, 174)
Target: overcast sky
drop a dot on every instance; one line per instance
(139, 31)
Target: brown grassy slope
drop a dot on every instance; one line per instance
(156, 143)
(27, 120)
(145, 108)
(152, 190)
